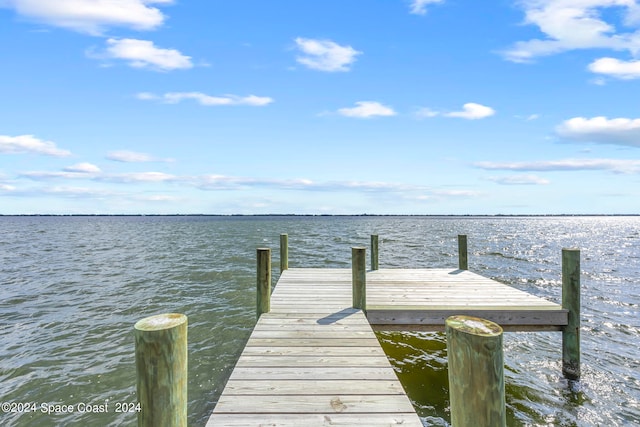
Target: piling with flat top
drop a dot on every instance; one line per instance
(463, 258)
(263, 295)
(374, 251)
(359, 277)
(161, 366)
(284, 252)
(571, 302)
(476, 372)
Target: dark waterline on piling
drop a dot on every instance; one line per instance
(71, 289)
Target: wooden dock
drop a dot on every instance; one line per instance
(313, 360)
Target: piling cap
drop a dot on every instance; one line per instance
(160, 322)
(474, 325)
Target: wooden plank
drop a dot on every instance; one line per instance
(310, 361)
(307, 420)
(318, 387)
(313, 403)
(315, 373)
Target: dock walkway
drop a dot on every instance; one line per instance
(313, 360)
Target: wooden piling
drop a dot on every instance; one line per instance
(263, 295)
(161, 366)
(374, 252)
(571, 302)
(463, 258)
(284, 252)
(359, 277)
(476, 372)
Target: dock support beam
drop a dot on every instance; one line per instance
(263, 298)
(359, 277)
(161, 366)
(571, 302)
(284, 252)
(476, 372)
(463, 258)
(374, 252)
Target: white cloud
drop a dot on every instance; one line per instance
(472, 111)
(325, 55)
(91, 16)
(625, 70)
(144, 54)
(86, 168)
(140, 177)
(575, 24)
(30, 144)
(366, 109)
(612, 165)
(126, 156)
(207, 100)
(619, 131)
(427, 112)
(519, 180)
(7, 187)
(419, 7)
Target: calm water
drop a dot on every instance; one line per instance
(71, 289)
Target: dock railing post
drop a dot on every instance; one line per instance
(284, 252)
(263, 295)
(359, 277)
(476, 372)
(161, 367)
(571, 302)
(463, 258)
(374, 252)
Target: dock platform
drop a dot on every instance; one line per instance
(314, 360)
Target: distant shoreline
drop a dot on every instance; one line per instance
(328, 215)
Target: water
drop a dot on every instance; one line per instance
(71, 289)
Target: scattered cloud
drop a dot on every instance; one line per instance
(29, 144)
(532, 117)
(575, 24)
(206, 100)
(470, 111)
(325, 55)
(143, 54)
(91, 16)
(83, 168)
(625, 70)
(419, 7)
(619, 131)
(126, 156)
(519, 180)
(367, 109)
(611, 165)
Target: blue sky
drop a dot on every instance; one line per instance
(319, 107)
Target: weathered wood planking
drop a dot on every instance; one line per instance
(421, 299)
(313, 361)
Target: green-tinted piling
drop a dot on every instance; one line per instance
(359, 277)
(571, 302)
(263, 295)
(284, 252)
(161, 367)
(374, 252)
(463, 257)
(476, 372)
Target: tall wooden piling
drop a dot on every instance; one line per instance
(359, 277)
(161, 366)
(463, 258)
(374, 252)
(263, 295)
(284, 252)
(476, 372)
(571, 302)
